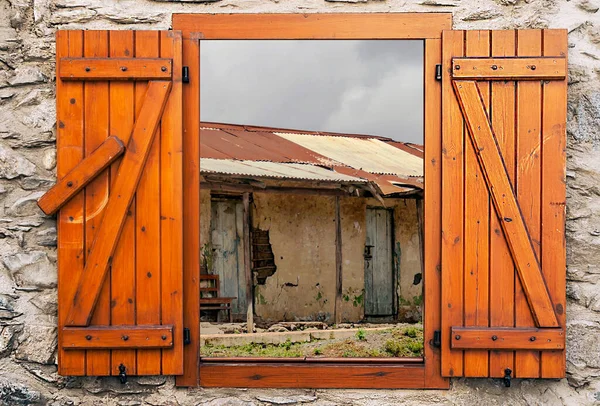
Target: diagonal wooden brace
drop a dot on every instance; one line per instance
(81, 175)
(505, 202)
(121, 196)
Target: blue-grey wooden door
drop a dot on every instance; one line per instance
(228, 251)
(379, 277)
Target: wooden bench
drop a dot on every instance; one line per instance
(209, 296)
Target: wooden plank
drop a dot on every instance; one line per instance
(508, 338)
(88, 288)
(96, 192)
(70, 224)
(505, 203)
(507, 68)
(248, 278)
(528, 186)
(171, 207)
(338, 263)
(147, 222)
(191, 212)
(123, 279)
(502, 273)
(81, 175)
(117, 337)
(432, 215)
(477, 202)
(315, 26)
(554, 143)
(452, 207)
(115, 68)
(313, 376)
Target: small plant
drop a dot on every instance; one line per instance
(318, 351)
(361, 335)
(287, 345)
(411, 332)
(416, 347)
(393, 347)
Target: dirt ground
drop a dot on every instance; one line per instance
(398, 341)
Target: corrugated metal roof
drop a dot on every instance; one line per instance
(228, 143)
(370, 155)
(392, 167)
(274, 170)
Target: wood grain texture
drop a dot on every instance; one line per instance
(502, 269)
(505, 202)
(119, 337)
(191, 212)
(528, 186)
(70, 151)
(171, 207)
(122, 277)
(432, 216)
(508, 338)
(104, 69)
(513, 114)
(96, 111)
(81, 175)
(311, 376)
(147, 221)
(315, 26)
(477, 207)
(507, 68)
(88, 289)
(248, 276)
(553, 204)
(452, 207)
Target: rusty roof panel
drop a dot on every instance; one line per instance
(275, 170)
(391, 166)
(370, 155)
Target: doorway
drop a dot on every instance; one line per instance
(379, 269)
(228, 252)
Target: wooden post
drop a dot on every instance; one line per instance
(247, 267)
(338, 262)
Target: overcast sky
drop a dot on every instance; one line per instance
(367, 87)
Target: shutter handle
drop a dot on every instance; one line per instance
(507, 373)
(122, 374)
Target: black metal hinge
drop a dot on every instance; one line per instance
(437, 338)
(185, 74)
(187, 338)
(438, 72)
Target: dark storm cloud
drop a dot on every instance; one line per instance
(368, 87)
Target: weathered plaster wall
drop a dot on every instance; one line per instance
(301, 232)
(27, 239)
(302, 236)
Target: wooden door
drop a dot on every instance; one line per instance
(119, 191)
(504, 96)
(227, 223)
(379, 276)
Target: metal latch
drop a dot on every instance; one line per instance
(437, 338)
(187, 337)
(123, 374)
(368, 254)
(507, 373)
(438, 72)
(185, 74)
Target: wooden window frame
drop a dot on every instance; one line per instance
(427, 27)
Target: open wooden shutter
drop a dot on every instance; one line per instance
(504, 107)
(119, 190)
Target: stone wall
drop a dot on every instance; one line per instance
(28, 239)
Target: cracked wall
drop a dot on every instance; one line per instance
(28, 238)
